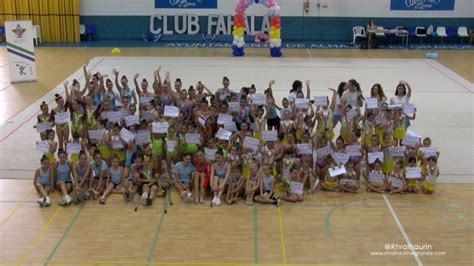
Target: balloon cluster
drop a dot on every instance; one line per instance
(239, 26)
(430, 55)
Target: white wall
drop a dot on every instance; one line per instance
(335, 8)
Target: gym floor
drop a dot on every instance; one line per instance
(327, 228)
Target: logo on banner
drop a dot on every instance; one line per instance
(185, 3)
(422, 5)
(19, 31)
(23, 69)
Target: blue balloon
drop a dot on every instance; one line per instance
(434, 55)
(275, 51)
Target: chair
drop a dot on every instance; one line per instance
(462, 33)
(90, 30)
(358, 31)
(36, 34)
(82, 29)
(401, 31)
(420, 32)
(441, 33)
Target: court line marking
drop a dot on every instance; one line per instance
(282, 237)
(309, 53)
(65, 233)
(402, 230)
(16, 207)
(328, 216)
(35, 103)
(38, 237)
(437, 68)
(255, 236)
(157, 231)
(130, 262)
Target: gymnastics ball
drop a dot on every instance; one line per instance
(115, 50)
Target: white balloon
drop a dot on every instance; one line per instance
(236, 39)
(273, 43)
(240, 45)
(278, 43)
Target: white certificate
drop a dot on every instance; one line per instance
(412, 172)
(373, 156)
(223, 118)
(210, 154)
(160, 127)
(73, 148)
(171, 111)
(347, 182)
(259, 99)
(324, 151)
(376, 177)
(171, 145)
(223, 134)
(321, 100)
(341, 158)
(251, 143)
(61, 118)
(301, 103)
(352, 114)
(269, 135)
(372, 103)
(117, 144)
(411, 139)
(296, 188)
(42, 127)
(126, 135)
(148, 116)
(429, 152)
(394, 106)
(192, 138)
(396, 183)
(234, 106)
(340, 170)
(96, 134)
(42, 146)
(396, 151)
(380, 119)
(353, 150)
(145, 99)
(142, 137)
(408, 108)
(230, 126)
(131, 120)
(304, 148)
(114, 116)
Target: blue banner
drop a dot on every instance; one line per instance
(210, 4)
(422, 5)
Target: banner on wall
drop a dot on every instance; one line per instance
(210, 4)
(21, 51)
(422, 5)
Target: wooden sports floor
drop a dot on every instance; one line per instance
(327, 228)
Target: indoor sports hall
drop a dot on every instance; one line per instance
(302, 211)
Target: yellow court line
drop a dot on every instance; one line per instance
(282, 237)
(16, 207)
(38, 237)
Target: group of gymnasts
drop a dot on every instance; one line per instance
(139, 137)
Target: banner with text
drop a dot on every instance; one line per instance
(210, 4)
(422, 5)
(21, 52)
